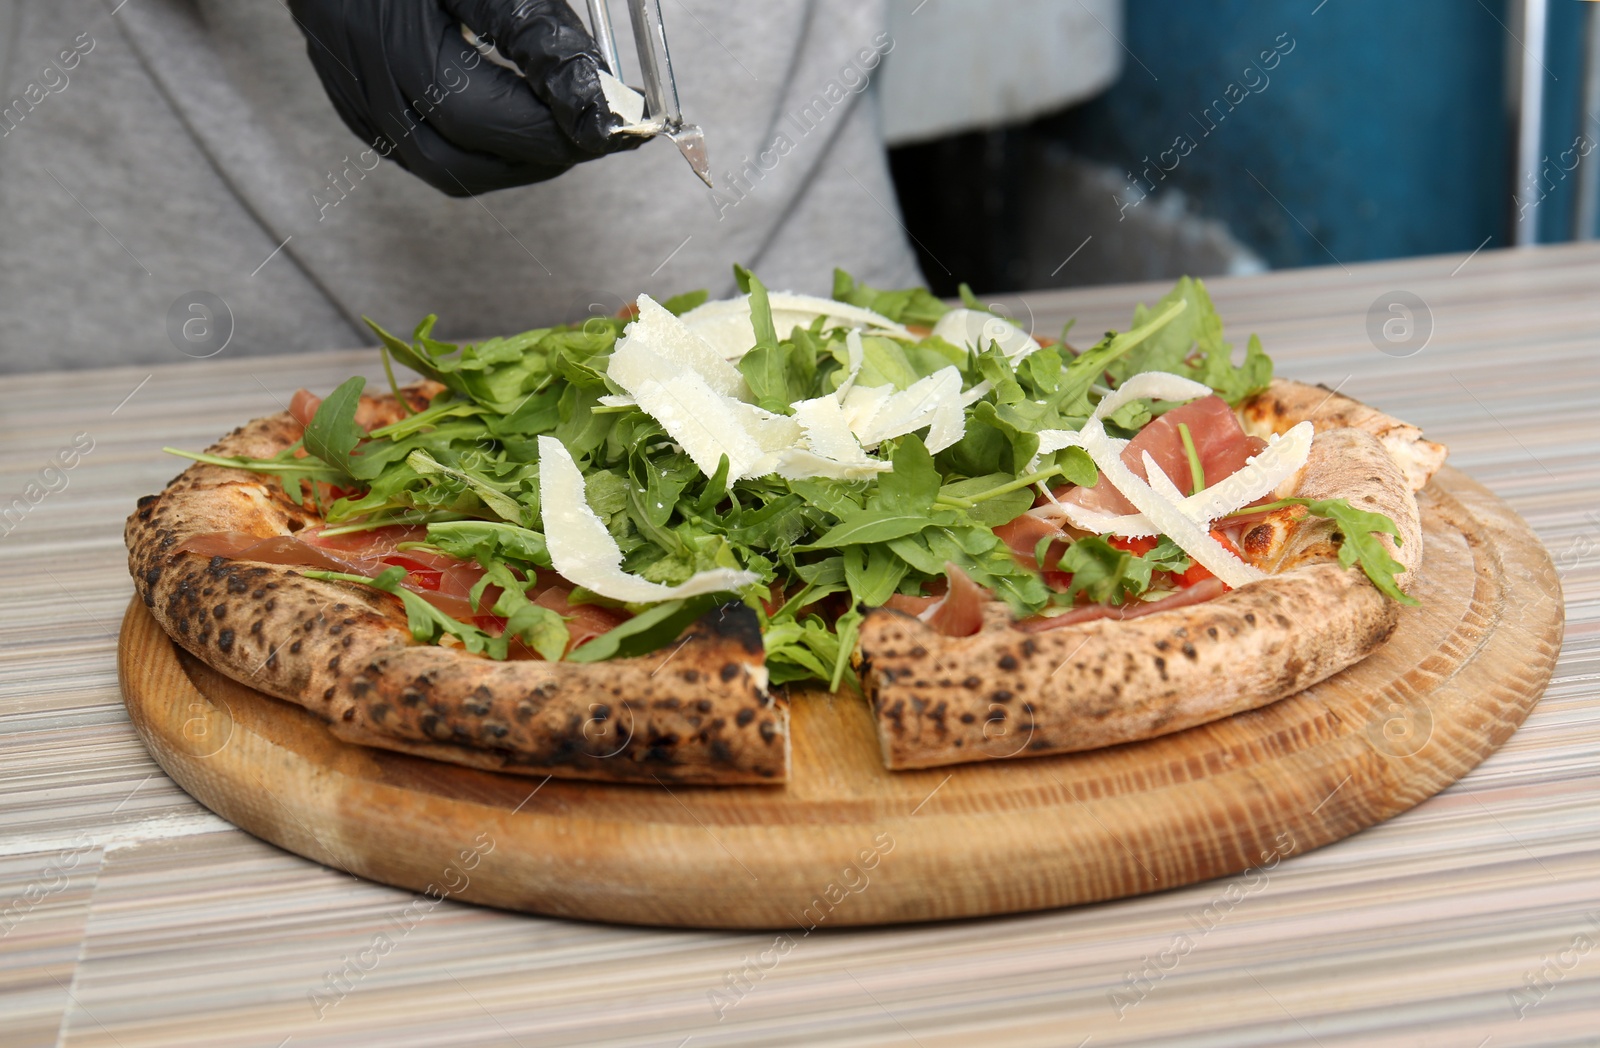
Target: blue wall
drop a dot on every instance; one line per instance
(1381, 133)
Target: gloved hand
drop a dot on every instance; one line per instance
(403, 78)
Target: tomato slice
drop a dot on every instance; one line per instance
(1198, 572)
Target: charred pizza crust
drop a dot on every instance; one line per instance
(343, 651)
(1003, 693)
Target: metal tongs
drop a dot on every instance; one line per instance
(662, 115)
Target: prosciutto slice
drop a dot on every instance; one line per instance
(958, 612)
(1199, 593)
(1222, 444)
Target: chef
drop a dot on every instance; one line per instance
(204, 178)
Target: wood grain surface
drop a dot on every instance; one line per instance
(133, 917)
(1458, 676)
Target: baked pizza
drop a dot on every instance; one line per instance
(618, 550)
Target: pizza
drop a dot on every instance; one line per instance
(619, 550)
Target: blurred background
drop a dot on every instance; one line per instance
(1229, 136)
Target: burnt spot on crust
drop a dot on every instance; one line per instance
(733, 621)
(1007, 662)
(1257, 541)
(225, 640)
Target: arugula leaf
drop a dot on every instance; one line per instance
(760, 311)
(1197, 331)
(873, 573)
(482, 540)
(657, 625)
(997, 370)
(913, 484)
(539, 627)
(909, 306)
(1168, 556)
(869, 526)
(333, 434)
(678, 305)
(1103, 573)
(766, 370)
(427, 623)
(502, 505)
(1072, 393)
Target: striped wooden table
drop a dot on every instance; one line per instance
(131, 916)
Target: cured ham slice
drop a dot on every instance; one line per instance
(1199, 593)
(958, 612)
(1222, 444)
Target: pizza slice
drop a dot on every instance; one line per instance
(610, 551)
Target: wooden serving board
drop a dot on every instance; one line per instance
(846, 842)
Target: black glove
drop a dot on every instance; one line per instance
(403, 78)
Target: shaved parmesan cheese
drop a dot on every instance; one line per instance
(855, 353)
(861, 404)
(772, 433)
(934, 402)
(626, 103)
(726, 326)
(674, 346)
(800, 464)
(583, 551)
(1157, 501)
(702, 422)
(1052, 441)
(827, 430)
(976, 329)
(1151, 385)
(615, 400)
(1261, 474)
(977, 393)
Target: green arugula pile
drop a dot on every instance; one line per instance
(467, 468)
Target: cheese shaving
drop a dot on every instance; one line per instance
(934, 402)
(1156, 501)
(583, 551)
(976, 328)
(626, 103)
(703, 423)
(1150, 385)
(1261, 474)
(725, 324)
(827, 431)
(659, 345)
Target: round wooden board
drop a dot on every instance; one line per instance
(846, 842)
